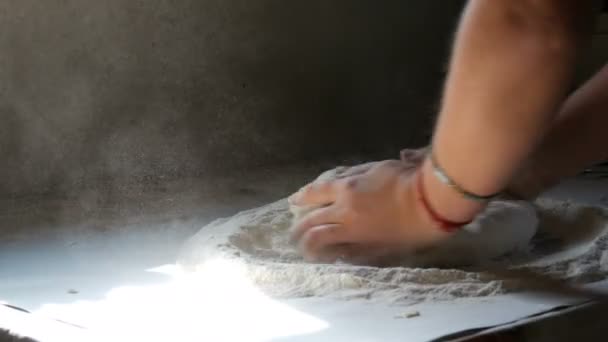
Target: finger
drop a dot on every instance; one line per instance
(317, 217)
(315, 194)
(407, 154)
(317, 241)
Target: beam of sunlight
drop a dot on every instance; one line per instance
(40, 328)
(217, 303)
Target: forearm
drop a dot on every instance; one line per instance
(577, 139)
(511, 68)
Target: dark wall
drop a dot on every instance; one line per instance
(133, 90)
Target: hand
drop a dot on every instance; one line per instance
(365, 216)
(414, 156)
(410, 157)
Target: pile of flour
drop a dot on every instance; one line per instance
(558, 238)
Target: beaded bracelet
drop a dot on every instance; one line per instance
(442, 176)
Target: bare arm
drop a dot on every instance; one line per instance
(577, 139)
(510, 71)
(511, 68)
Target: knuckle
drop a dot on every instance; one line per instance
(407, 154)
(348, 185)
(309, 188)
(300, 194)
(351, 183)
(341, 169)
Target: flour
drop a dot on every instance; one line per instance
(570, 243)
(258, 239)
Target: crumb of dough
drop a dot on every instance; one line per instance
(411, 314)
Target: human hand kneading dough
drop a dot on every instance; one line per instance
(367, 215)
(508, 122)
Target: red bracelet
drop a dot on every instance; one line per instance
(445, 224)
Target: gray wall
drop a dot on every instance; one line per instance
(106, 91)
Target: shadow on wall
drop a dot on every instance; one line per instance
(121, 91)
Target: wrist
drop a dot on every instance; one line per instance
(443, 200)
(428, 229)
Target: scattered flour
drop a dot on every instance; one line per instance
(562, 239)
